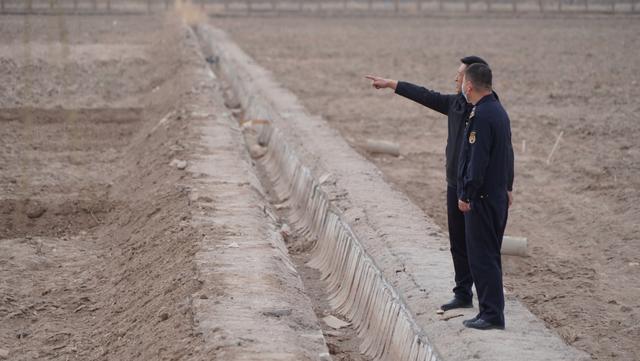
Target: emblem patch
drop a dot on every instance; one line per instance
(472, 137)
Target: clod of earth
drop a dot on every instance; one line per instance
(257, 151)
(178, 163)
(35, 210)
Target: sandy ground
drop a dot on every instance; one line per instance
(574, 75)
(90, 206)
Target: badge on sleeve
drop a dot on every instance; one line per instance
(472, 137)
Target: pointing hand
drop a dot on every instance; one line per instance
(381, 83)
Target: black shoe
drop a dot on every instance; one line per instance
(456, 303)
(470, 320)
(481, 324)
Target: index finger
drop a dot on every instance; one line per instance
(371, 77)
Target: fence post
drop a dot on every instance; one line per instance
(300, 4)
(613, 6)
(419, 5)
(370, 4)
(396, 5)
(2, 5)
(488, 5)
(467, 5)
(514, 6)
(108, 6)
(541, 6)
(29, 7)
(633, 5)
(559, 5)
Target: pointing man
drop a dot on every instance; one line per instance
(457, 110)
(485, 177)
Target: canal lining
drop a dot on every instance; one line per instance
(356, 287)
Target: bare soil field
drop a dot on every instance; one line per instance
(576, 76)
(96, 250)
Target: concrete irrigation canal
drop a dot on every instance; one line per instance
(163, 197)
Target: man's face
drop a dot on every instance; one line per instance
(464, 85)
(459, 76)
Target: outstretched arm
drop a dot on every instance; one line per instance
(428, 98)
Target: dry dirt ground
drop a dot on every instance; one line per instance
(96, 249)
(575, 75)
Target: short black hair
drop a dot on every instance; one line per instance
(479, 75)
(472, 59)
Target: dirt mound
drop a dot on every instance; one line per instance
(90, 206)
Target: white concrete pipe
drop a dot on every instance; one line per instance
(382, 147)
(514, 246)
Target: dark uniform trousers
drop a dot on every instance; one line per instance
(484, 225)
(458, 247)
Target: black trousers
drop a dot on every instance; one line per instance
(484, 226)
(458, 246)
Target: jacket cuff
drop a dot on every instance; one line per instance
(400, 88)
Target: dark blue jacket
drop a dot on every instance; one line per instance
(457, 110)
(486, 157)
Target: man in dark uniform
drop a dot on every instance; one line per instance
(485, 177)
(457, 110)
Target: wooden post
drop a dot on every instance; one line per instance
(29, 5)
(2, 5)
(108, 6)
(541, 5)
(586, 5)
(419, 5)
(613, 6)
(370, 4)
(148, 6)
(633, 5)
(344, 4)
(75, 6)
(559, 5)
(514, 6)
(440, 5)
(166, 4)
(488, 5)
(300, 5)
(95, 5)
(467, 5)
(396, 5)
